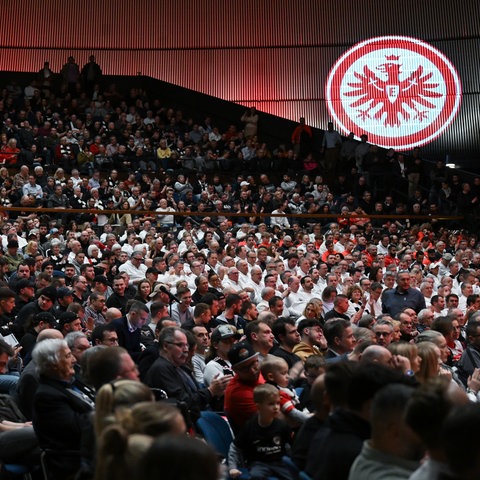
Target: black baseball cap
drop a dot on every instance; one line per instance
(240, 353)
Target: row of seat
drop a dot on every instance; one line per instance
(217, 432)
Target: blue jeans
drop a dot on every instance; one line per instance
(8, 383)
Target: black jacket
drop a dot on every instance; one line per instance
(131, 341)
(60, 415)
(166, 376)
(335, 446)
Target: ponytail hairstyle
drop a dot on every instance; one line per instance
(115, 395)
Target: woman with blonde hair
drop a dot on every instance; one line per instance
(397, 334)
(3, 174)
(122, 444)
(115, 395)
(408, 350)
(31, 249)
(59, 177)
(430, 365)
(313, 310)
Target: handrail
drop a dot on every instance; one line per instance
(154, 213)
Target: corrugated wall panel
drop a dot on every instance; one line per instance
(275, 54)
(216, 23)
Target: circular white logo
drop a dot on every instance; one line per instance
(400, 91)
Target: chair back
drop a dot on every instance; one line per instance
(216, 431)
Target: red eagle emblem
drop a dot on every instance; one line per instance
(394, 100)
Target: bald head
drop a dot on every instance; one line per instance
(376, 354)
(49, 333)
(112, 313)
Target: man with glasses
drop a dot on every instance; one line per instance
(232, 280)
(78, 343)
(95, 309)
(169, 373)
(80, 287)
(407, 329)
(135, 268)
(425, 319)
(196, 271)
(383, 331)
(104, 334)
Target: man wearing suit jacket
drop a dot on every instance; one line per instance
(170, 374)
(61, 411)
(129, 328)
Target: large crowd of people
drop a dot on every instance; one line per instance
(345, 342)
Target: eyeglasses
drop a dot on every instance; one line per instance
(82, 347)
(178, 344)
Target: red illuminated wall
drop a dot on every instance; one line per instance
(273, 54)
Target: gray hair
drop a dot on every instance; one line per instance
(91, 248)
(423, 285)
(429, 336)
(266, 291)
(384, 322)
(267, 317)
(421, 314)
(47, 353)
(72, 337)
(167, 335)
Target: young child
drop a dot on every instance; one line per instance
(263, 440)
(275, 371)
(313, 367)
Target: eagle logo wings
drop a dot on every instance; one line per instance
(393, 101)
